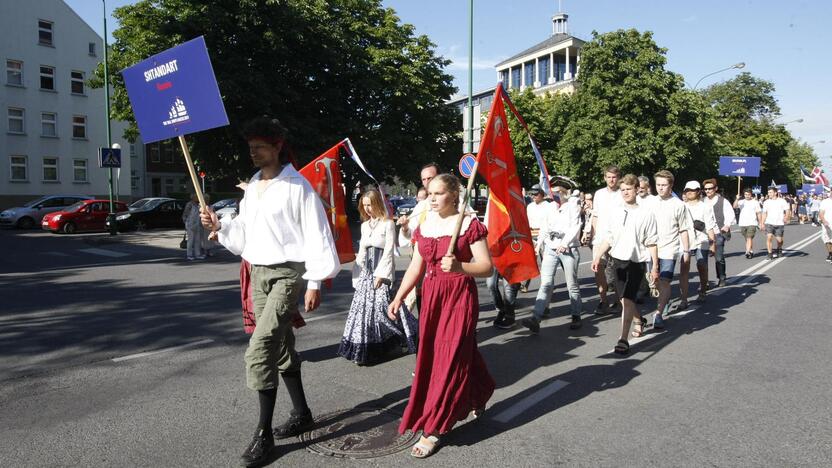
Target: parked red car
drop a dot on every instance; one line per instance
(86, 215)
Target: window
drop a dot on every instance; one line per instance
(18, 168)
(543, 69)
(155, 155)
(529, 75)
(50, 169)
(79, 170)
(515, 77)
(16, 120)
(79, 126)
(45, 32)
(134, 180)
(77, 85)
(91, 48)
(168, 150)
(168, 185)
(48, 124)
(14, 72)
(504, 78)
(132, 150)
(47, 78)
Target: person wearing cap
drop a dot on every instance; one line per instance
(536, 212)
(725, 218)
(606, 199)
(775, 216)
(630, 240)
(702, 231)
(559, 241)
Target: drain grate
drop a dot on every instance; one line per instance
(358, 433)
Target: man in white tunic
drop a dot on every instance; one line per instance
(282, 231)
(605, 201)
(725, 218)
(775, 216)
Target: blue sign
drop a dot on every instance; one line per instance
(813, 189)
(743, 166)
(782, 188)
(175, 92)
(109, 157)
(466, 165)
(756, 190)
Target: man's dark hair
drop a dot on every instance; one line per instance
(271, 131)
(432, 164)
(612, 169)
(748, 190)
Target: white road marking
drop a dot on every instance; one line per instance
(160, 351)
(765, 265)
(518, 408)
(104, 253)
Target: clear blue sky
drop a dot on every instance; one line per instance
(786, 42)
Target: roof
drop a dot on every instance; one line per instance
(549, 42)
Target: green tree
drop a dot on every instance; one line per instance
(327, 69)
(746, 108)
(630, 111)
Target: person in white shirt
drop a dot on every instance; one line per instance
(673, 225)
(282, 231)
(750, 217)
(409, 223)
(825, 219)
(703, 234)
(814, 208)
(775, 216)
(630, 240)
(536, 212)
(558, 239)
(606, 199)
(645, 193)
(725, 218)
(369, 334)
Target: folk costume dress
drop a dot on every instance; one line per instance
(451, 376)
(369, 334)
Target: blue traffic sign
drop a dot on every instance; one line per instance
(466, 165)
(109, 157)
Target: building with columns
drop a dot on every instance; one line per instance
(551, 65)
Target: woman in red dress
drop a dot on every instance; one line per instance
(451, 380)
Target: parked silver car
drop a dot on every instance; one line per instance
(30, 214)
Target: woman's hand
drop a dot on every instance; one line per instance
(377, 283)
(393, 308)
(451, 265)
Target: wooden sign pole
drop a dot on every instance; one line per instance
(189, 162)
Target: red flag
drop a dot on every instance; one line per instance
(324, 173)
(509, 235)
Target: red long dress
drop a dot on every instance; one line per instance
(451, 376)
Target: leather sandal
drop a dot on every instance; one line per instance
(638, 327)
(425, 447)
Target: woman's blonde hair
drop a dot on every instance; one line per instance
(376, 205)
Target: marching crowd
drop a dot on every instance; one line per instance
(637, 240)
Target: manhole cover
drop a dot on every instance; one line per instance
(358, 433)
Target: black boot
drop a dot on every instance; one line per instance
(300, 419)
(506, 320)
(258, 451)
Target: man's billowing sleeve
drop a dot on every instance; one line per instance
(319, 253)
(232, 234)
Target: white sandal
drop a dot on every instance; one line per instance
(425, 447)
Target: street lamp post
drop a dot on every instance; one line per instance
(736, 65)
(111, 217)
(792, 121)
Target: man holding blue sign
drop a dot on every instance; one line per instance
(283, 232)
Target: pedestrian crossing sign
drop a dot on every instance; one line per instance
(109, 157)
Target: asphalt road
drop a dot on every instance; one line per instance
(118, 352)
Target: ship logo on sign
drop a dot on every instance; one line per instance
(178, 113)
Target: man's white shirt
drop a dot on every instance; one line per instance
(727, 210)
(748, 212)
(775, 210)
(285, 223)
(604, 201)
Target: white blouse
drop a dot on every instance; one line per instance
(379, 233)
(286, 223)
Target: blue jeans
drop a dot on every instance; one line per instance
(568, 261)
(504, 304)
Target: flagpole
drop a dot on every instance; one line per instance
(189, 162)
(470, 129)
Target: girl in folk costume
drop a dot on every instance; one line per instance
(451, 380)
(369, 335)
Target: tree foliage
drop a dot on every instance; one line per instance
(327, 69)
